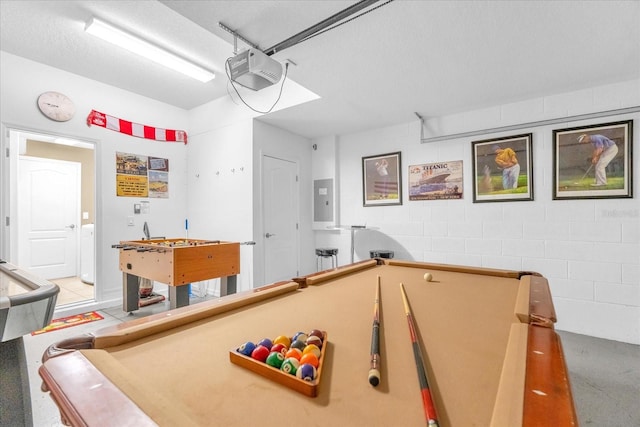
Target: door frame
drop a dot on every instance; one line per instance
(13, 138)
(261, 223)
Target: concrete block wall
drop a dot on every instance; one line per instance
(589, 250)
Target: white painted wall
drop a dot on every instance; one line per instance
(220, 180)
(22, 80)
(588, 249)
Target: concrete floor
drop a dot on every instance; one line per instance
(605, 379)
(605, 375)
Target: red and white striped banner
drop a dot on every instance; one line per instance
(135, 129)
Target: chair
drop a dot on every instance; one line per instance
(322, 253)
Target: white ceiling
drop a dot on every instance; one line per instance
(430, 57)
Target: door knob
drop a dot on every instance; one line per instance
(268, 235)
(72, 226)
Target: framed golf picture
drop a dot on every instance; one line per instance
(381, 180)
(593, 162)
(503, 169)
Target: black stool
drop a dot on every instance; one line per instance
(322, 253)
(381, 253)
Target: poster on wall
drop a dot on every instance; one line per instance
(436, 181)
(158, 178)
(141, 176)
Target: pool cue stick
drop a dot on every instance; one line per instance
(374, 372)
(427, 401)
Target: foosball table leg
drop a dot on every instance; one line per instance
(130, 292)
(228, 285)
(178, 296)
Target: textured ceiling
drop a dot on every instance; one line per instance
(429, 57)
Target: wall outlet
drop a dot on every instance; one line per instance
(130, 221)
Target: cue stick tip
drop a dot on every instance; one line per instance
(374, 377)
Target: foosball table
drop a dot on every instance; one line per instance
(177, 263)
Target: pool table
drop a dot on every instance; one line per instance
(487, 339)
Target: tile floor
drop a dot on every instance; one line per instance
(605, 375)
(72, 290)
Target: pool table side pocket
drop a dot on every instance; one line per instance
(541, 309)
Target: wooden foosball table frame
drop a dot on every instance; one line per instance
(177, 263)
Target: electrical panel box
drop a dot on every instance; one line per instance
(323, 201)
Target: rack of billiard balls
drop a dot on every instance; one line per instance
(294, 361)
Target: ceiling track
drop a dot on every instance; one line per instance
(237, 36)
(301, 36)
(539, 123)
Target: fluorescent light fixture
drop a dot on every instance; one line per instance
(145, 49)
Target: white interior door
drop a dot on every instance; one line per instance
(280, 199)
(48, 216)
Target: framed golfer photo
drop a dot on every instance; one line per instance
(593, 162)
(502, 169)
(381, 180)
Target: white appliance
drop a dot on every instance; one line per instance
(87, 256)
(254, 69)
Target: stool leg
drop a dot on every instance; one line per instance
(334, 261)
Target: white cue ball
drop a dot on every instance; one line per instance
(428, 277)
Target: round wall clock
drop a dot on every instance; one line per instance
(56, 106)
